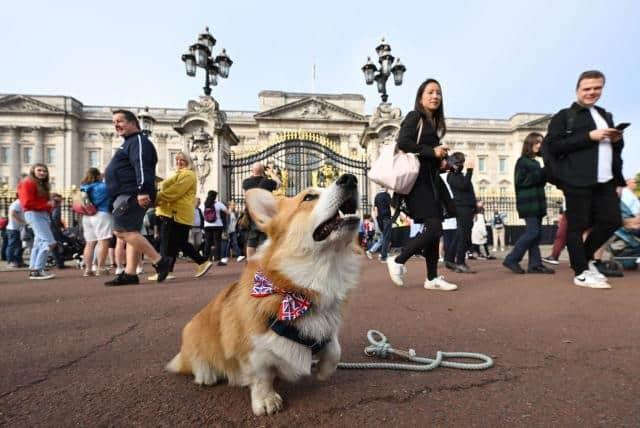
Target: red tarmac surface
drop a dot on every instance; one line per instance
(75, 352)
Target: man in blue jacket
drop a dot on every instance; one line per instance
(130, 182)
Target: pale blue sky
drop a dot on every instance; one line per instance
(493, 58)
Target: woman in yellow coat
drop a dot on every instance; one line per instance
(174, 214)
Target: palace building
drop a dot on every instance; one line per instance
(308, 138)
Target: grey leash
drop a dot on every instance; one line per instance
(380, 347)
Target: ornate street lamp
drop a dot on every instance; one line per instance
(146, 121)
(200, 54)
(387, 68)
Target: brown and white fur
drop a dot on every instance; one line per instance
(311, 251)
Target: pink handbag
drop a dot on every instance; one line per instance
(395, 169)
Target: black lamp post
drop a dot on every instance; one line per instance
(146, 121)
(387, 68)
(200, 54)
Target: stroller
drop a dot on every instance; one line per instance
(624, 248)
(624, 245)
(72, 246)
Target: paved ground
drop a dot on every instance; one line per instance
(77, 353)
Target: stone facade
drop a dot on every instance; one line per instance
(69, 136)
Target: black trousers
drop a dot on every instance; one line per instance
(425, 243)
(597, 207)
(213, 238)
(462, 241)
(174, 237)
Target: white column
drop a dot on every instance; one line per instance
(38, 150)
(16, 160)
(107, 149)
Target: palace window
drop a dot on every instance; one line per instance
(172, 159)
(503, 191)
(94, 158)
(52, 182)
(502, 165)
(5, 154)
(50, 155)
(27, 155)
(482, 163)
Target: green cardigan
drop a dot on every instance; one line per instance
(530, 179)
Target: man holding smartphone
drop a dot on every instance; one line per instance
(586, 149)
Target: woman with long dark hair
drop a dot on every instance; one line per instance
(34, 194)
(98, 228)
(531, 203)
(420, 133)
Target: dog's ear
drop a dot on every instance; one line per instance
(262, 206)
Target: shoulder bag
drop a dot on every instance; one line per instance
(395, 169)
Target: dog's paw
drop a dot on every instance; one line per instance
(325, 371)
(267, 405)
(205, 376)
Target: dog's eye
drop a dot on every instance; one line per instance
(310, 197)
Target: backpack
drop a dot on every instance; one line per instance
(81, 204)
(497, 220)
(549, 160)
(210, 215)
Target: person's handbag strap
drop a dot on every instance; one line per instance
(419, 135)
(419, 131)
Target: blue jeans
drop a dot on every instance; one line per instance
(529, 241)
(449, 244)
(40, 223)
(385, 227)
(14, 247)
(231, 243)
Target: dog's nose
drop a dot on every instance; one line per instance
(347, 180)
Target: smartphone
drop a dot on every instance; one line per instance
(622, 126)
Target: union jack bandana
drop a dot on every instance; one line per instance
(293, 305)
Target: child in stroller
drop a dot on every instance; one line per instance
(72, 246)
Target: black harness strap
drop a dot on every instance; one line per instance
(289, 331)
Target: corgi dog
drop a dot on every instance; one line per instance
(288, 304)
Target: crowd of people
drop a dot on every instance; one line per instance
(128, 216)
(125, 217)
(582, 154)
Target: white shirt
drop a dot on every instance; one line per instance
(219, 206)
(605, 151)
(196, 218)
(15, 207)
(448, 223)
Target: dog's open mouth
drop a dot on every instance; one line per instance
(344, 216)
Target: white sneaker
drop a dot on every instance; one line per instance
(438, 283)
(589, 280)
(369, 254)
(240, 258)
(119, 270)
(225, 260)
(139, 270)
(396, 271)
(595, 272)
(154, 277)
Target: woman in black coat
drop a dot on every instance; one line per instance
(426, 199)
